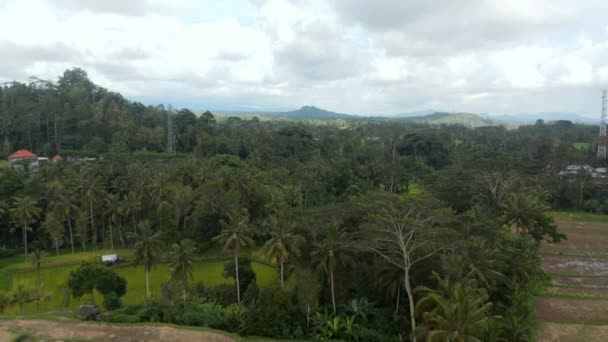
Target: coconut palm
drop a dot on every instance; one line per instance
(91, 191)
(234, 236)
(282, 243)
(6, 299)
(21, 296)
(38, 258)
(23, 213)
(181, 198)
(64, 205)
(55, 228)
(458, 312)
(112, 210)
(146, 250)
(82, 228)
(521, 211)
(181, 259)
(332, 252)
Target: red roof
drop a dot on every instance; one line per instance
(57, 157)
(22, 154)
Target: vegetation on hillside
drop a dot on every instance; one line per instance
(380, 230)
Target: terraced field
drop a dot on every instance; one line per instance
(575, 306)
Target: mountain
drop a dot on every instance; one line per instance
(312, 112)
(425, 116)
(466, 119)
(527, 118)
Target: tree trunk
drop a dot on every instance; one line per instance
(148, 284)
(57, 246)
(25, 239)
(333, 295)
(111, 234)
(71, 235)
(398, 300)
(410, 297)
(236, 267)
(122, 241)
(282, 279)
(93, 222)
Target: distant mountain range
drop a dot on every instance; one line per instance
(426, 116)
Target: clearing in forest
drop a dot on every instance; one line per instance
(575, 305)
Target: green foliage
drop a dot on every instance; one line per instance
(112, 301)
(273, 314)
(93, 275)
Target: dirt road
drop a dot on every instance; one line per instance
(84, 331)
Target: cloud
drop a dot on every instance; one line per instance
(384, 56)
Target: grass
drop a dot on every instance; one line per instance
(415, 189)
(15, 271)
(3, 164)
(581, 146)
(578, 216)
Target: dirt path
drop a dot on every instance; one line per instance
(575, 306)
(107, 332)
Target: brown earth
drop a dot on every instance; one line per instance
(579, 291)
(86, 331)
(582, 261)
(569, 332)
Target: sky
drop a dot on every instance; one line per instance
(349, 56)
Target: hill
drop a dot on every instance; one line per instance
(465, 119)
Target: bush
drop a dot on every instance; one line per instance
(111, 301)
(121, 318)
(7, 252)
(274, 314)
(207, 315)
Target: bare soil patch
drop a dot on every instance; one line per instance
(578, 291)
(111, 332)
(572, 264)
(591, 282)
(574, 310)
(567, 332)
(583, 237)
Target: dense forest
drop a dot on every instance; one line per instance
(380, 230)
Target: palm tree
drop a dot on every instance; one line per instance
(521, 211)
(181, 198)
(21, 296)
(112, 205)
(333, 251)
(38, 258)
(146, 250)
(390, 281)
(64, 205)
(6, 299)
(54, 228)
(91, 190)
(131, 205)
(458, 312)
(282, 243)
(181, 259)
(82, 228)
(233, 236)
(24, 213)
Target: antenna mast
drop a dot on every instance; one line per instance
(601, 140)
(170, 147)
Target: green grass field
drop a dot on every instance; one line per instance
(3, 164)
(54, 274)
(581, 146)
(578, 216)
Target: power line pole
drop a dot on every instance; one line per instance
(601, 141)
(170, 136)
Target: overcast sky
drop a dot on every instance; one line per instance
(353, 56)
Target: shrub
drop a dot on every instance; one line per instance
(272, 314)
(207, 314)
(121, 318)
(111, 301)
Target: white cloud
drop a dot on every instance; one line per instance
(385, 56)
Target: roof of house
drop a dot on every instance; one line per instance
(22, 154)
(57, 157)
